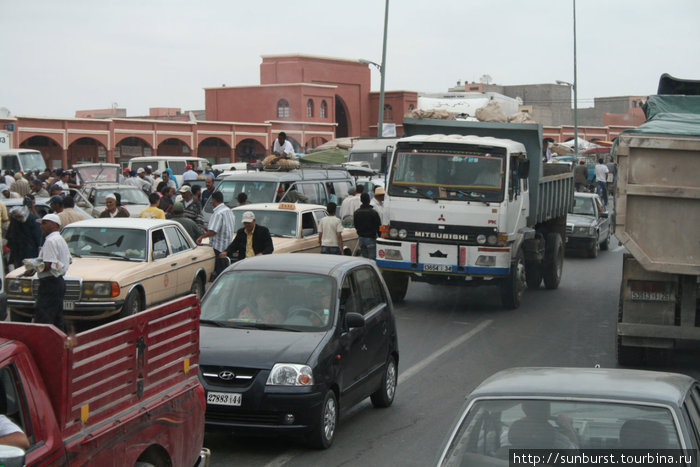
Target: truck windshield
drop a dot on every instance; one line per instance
(32, 161)
(445, 175)
(258, 192)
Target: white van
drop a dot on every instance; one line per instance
(175, 163)
(22, 160)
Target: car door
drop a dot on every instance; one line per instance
(309, 233)
(160, 280)
(353, 344)
(603, 222)
(183, 268)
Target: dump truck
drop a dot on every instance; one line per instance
(658, 222)
(472, 203)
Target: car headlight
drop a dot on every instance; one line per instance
(19, 286)
(100, 289)
(290, 374)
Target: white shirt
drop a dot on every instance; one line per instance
(55, 250)
(64, 186)
(287, 149)
(379, 208)
(7, 426)
(330, 227)
(349, 206)
(601, 172)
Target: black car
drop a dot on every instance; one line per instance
(289, 340)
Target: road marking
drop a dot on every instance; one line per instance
(420, 366)
(283, 458)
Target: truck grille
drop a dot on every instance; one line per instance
(73, 290)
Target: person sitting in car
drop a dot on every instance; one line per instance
(251, 240)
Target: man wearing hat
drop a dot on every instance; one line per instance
(189, 173)
(193, 207)
(141, 181)
(113, 209)
(378, 202)
(52, 289)
(251, 240)
(6, 193)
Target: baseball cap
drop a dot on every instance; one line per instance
(188, 166)
(126, 169)
(178, 208)
(248, 216)
(56, 199)
(140, 170)
(379, 191)
(51, 217)
(185, 189)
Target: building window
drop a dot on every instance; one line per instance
(324, 109)
(388, 113)
(634, 104)
(310, 108)
(282, 108)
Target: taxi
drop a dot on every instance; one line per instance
(293, 226)
(120, 267)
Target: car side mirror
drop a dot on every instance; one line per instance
(354, 320)
(524, 168)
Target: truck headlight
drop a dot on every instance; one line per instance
(393, 232)
(492, 239)
(403, 234)
(290, 374)
(481, 239)
(19, 286)
(100, 289)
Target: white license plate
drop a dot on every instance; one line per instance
(224, 398)
(437, 267)
(69, 305)
(652, 296)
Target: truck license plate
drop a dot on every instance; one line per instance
(224, 398)
(437, 267)
(68, 305)
(652, 296)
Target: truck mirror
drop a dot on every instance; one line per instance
(11, 456)
(524, 168)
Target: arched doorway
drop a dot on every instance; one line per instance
(86, 150)
(48, 148)
(129, 147)
(173, 147)
(215, 149)
(341, 118)
(314, 142)
(249, 150)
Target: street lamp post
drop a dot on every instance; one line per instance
(382, 73)
(574, 87)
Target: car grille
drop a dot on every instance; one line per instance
(243, 418)
(73, 289)
(228, 377)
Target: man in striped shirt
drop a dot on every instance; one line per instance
(220, 230)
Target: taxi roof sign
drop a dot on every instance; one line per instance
(290, 206)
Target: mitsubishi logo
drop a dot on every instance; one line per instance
(441, 218)
(227, 375)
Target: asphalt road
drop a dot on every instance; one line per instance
(450, 340)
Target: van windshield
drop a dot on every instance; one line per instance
(32, 161)
(374, 159)
(257, 191)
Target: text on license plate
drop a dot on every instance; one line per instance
(224, 398)
(68, 305)
(437, 267)
(652, 296)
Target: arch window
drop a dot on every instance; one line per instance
(324, 109)
(310, 108)
(282, 108)
(388, 112)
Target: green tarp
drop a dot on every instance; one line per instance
(330, 156)
(671, 115)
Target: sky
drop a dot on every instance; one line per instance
(61, 56)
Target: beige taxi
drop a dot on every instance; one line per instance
(120, 267)
(293, 226)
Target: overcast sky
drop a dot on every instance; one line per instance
(61, 56)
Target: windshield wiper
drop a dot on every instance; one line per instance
(473, 197)
(421, 192)
(110, 255)
(273, 326)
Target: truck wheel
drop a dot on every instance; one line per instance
(593, 250)
(533, 274)
(397, 284)
(553, 260)
(513, 287)
(132, 305)
(606, 243)
(323, 432)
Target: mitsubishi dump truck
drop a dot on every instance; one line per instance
(122, 394)
(471, 203)
(658, 221)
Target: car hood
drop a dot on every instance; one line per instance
(255, 348)
(580, 219)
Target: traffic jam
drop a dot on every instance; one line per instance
(150, 308)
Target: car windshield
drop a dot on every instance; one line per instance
(584, 206)
(445, 175)
(128, 195)
(32, 161)
(492, 427)
(271, 299)
(257, 191)
(281, 223)
(98, 173)
(106, 242)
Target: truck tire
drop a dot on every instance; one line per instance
(513, 287)
(397, 284)
(593, 250)
(553, 260)
(533, 274)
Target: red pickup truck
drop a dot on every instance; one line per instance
(122, 394)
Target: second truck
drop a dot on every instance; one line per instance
(471, 203)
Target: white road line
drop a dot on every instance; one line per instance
(418, 367)
(283, 458)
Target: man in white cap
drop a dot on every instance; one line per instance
(52, 289)
(251, 240)
(193, 207)
(141, 181)
(113, 208)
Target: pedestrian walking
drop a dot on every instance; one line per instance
(330, 232)
(220, 230)
(367, 224)
(23, 234)
(580, 175)
(601, 181)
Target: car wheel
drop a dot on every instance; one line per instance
(606, 243)
(553, 260)
(323, 433)
(132, 305)
(397, 284)
(513, 287)
(384, 396)
(198, 287)
(593, 250)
